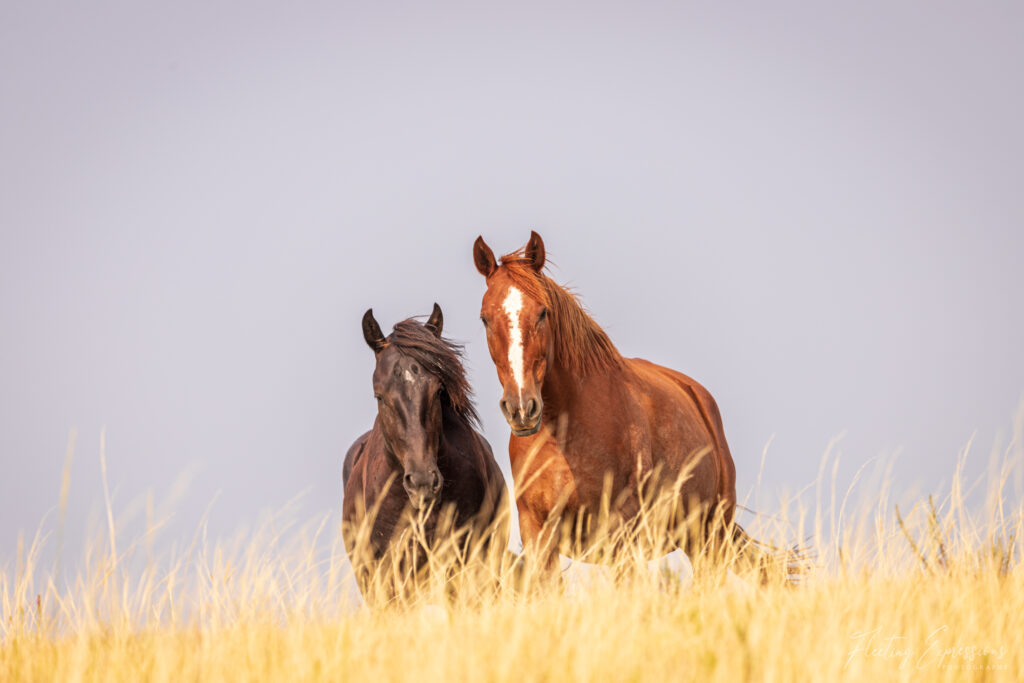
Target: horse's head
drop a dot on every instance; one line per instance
(515, 315)
(409, 402)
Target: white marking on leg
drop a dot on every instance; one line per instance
(513, 306)
(735, 582)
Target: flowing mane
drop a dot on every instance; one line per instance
(581, 346)
(441, 357)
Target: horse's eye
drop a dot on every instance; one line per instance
(378, 397)
(543, 316)
(483, 320)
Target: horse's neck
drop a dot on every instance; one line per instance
(563, 384)
(384, 454)
(580, 340)
(454, 429)
(562, 389)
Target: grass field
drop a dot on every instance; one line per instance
(933, 591)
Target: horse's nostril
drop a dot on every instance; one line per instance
(408, 481)
(531, 408)
(503, 404)
(437, 481)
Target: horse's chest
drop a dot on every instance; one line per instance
(552, 477)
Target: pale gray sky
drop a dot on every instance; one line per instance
(816, 211)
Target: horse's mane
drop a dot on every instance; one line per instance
(581, 346)
(441, 357)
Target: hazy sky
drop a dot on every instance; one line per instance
(817, 212)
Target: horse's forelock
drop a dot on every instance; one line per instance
(442, 358)
(520, 271)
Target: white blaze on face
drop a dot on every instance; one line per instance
(513, 306)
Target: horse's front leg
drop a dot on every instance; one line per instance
(540, 541)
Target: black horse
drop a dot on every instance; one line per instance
(424, 457)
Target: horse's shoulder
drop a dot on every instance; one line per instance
(474, 450)
(352, 456)
(490, 463)
(483, 444)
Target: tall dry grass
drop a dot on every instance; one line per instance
(931, 590)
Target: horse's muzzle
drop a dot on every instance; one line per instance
(422, 487)
(525, 420)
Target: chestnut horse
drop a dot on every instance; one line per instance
(582, 415)
(424, 456)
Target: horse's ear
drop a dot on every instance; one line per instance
(436, 321)
(535, 251)
(372, 333)
(483, 257)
